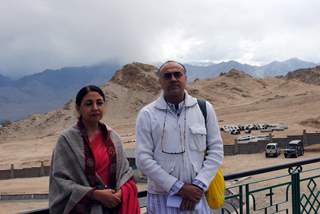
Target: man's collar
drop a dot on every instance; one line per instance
(162, 104)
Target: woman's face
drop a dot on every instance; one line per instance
(92, 107)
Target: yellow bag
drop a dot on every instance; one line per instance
(215, 193)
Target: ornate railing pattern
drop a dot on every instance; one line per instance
(296, 191)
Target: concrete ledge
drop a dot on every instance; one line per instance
(12, 197)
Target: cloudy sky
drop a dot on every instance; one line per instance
(40, 34)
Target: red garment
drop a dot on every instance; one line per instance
(129, 199)
(101, 157)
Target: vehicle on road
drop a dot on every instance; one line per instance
(272, 150)
(246, 138)
(294, 149)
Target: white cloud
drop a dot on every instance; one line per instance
(40, 34)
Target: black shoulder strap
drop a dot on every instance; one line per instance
(203, 107)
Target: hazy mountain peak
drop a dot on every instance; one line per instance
(234, 73)
(276, 68)
(4, 80)
(294, 59)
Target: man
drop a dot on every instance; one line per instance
(176, 150)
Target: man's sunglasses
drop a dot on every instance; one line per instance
(176, 74)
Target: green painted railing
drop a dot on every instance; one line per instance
(288, 188)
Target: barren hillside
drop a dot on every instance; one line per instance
(237, 97)
(129, 90)
(240, 98)
(308, 75)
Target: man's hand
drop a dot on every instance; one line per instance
(191, 193)
(108, 197)
(187, 204)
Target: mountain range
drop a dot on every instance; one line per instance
(5, 80)
(47, 90)
(50, 89)
(275, 68)
(238, 98)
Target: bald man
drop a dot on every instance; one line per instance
(177, 148)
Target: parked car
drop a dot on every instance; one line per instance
(245, 138)
(264, 137)
(294, 149)
(272, 150)
(235, 132)
(267, 130)
(247, 131)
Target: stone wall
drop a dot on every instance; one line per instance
(36, 171)
(256, 147)
(24, 172)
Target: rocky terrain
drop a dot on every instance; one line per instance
(236, 96)
(308, 75)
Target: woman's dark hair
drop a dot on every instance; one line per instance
(85, 90)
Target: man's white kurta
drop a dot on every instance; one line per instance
(173, 147)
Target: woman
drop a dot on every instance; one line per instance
(89, 170)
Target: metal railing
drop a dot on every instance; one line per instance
(292, 188)
(293, 191)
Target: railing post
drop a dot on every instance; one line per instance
(42, 169)
(236, 147)
(247, 199)
(240, 199)
(12, 171)
(295, 183)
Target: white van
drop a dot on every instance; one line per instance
(272, 150)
